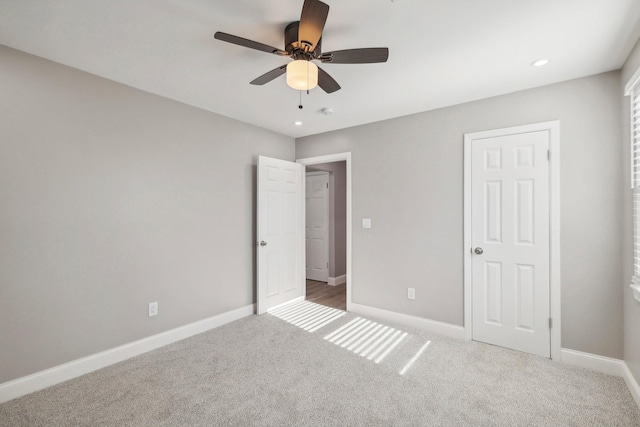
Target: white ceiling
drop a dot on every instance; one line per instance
(442, 52)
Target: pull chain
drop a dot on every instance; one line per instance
(300, 92)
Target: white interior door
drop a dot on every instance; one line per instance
(510, 225)
(279, 229)
(317, 226)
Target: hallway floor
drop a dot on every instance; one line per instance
(331, 296)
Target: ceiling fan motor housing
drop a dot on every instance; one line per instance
(296, 49)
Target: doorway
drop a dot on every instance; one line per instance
(336, 290)
(512, 280)
(325, 234)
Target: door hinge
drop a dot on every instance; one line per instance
(550, 323)
(327, 185)
(548, 154)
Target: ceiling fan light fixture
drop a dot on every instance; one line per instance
(302, 74)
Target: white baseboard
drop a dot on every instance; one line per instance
(606, 365)
(632, 384)
(43, 379)
(434, 326)
(335, 281)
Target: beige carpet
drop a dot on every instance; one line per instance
(329, 370)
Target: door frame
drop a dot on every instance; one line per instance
(327, 215)
(553, 127)
(338, 157)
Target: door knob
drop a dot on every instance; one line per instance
(478, 251)
(262, 243)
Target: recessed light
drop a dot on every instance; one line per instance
(298, 123)
(539, 62)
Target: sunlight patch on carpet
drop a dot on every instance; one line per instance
(414, 358)
(367, 338)
(307, 315)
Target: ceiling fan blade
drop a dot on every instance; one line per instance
(248, 43)
(356, 56)
(326, 82)
(267, 77)
(312, 20)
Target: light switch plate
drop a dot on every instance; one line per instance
(366, 222)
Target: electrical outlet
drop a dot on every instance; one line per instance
(411, 293)
(153, 309)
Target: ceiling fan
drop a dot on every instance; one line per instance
(302, 41)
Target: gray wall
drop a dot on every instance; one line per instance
(112, 198)
(631, 306)
(338, 212)
(407, 175)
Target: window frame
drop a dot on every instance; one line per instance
(632, 90)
